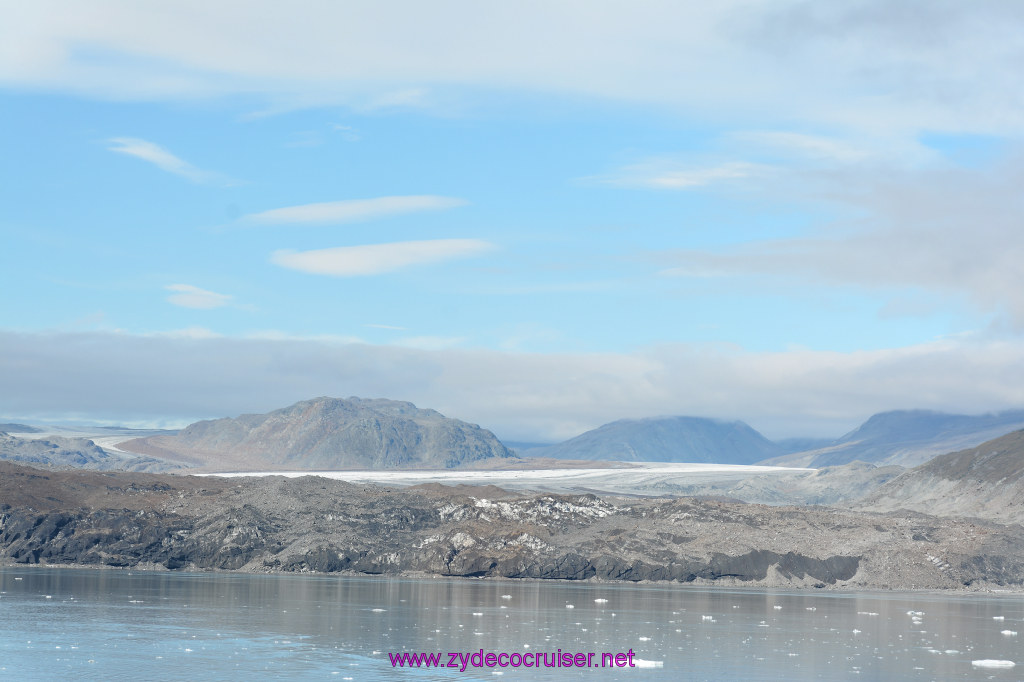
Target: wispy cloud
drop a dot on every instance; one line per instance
(661, 174)
(373, 259)
(188, 296)
(165, 160)
(352, 210)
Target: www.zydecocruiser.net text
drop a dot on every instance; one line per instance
(462, 660)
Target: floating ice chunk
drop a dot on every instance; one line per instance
(570, 606)
(998, 617)
(992, 663)
(641, 663)
(645, 639)
(1009, 633)
(915, 613)
(600, 601)
(378, 610)
(811, 608)
(506, 596)
(477, 613)
(777, 607)
(952, 651)
(856, 631)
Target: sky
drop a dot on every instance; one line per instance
(536, 216)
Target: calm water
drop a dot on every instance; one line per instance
(76, 623)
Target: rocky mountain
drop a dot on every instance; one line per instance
(986, 481)
(313, 524)
(907, 438)
(57, 452)
(8, 427)
(328, 433)
(666, 439)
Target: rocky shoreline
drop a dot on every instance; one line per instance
(312, 524)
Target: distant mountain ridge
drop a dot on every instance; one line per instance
(667, 439)
(56, 452)
(329, 433)
(907, 438)
(985, 481)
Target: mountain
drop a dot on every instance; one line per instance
(73, 453)
(329, 433)
(8, 427)
(907, 438)
(985, 481)
(666, 439)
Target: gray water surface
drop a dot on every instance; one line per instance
(111, 624)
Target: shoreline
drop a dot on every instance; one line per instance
(721, 585)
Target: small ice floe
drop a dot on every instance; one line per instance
(506, 596)
(915, 613)
(992, 663)
(49, 596)
(709, 619)
(641, 663)
(866, 613)
(645, 639)
(810, 608)
(19, 578)
(379, 610)
(477, 613)
(856, 631)
(136, 601)
(763, 624)
(570, 606)
(777, 607)
(600, 601)
(952, 651)
(1009, 633)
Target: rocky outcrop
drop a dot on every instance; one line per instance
(313, 524)
(329, 433)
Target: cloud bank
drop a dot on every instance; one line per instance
(119, 377)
